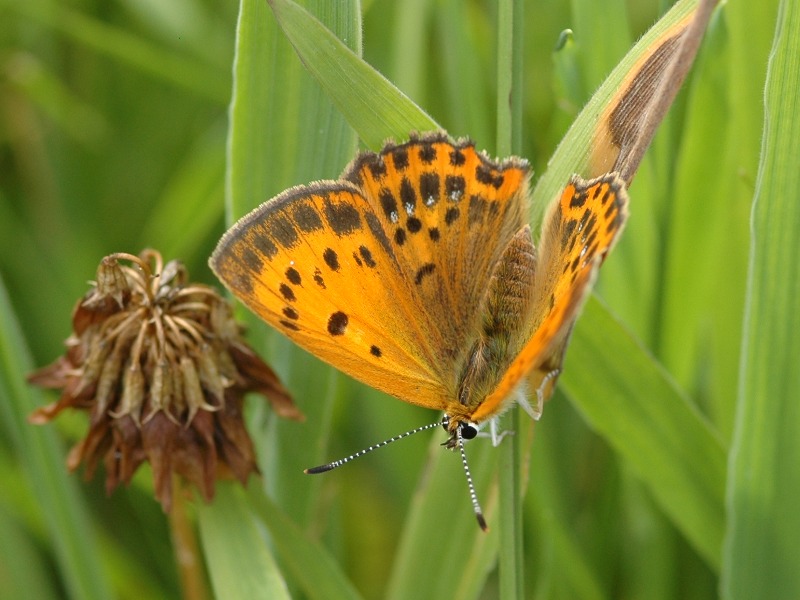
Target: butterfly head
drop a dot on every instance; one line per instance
(458, 427)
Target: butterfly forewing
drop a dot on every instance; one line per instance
(315, 264)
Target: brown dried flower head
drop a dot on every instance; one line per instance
(160, 365)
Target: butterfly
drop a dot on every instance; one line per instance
(416, 273)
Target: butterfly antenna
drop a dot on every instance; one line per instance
(338, 463)
(476, 506)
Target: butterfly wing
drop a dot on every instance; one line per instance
(579, 231)
(371, 290)
(449, 212)
(315, 264)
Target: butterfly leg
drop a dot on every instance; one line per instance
(542, 391)
(495, 433)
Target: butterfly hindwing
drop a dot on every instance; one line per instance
(579, 230)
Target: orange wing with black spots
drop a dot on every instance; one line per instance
(382, 273)
(579, 231)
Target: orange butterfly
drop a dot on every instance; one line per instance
(416, 274)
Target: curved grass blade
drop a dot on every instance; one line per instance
(761, 545)
(284, 131)
(239, 562)
(369, 102)
(632, 403)
(312, 566)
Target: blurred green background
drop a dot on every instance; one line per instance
(114, 136)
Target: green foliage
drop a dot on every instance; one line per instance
(122, 128)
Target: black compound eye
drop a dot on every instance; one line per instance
(468, 430)
(445, 422)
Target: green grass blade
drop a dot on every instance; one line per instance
(558, 562)
(313, 567)
(369, 102)
(509, 140)
(238, 560)
(284, 131)
(706, 219)
(631, 401)
(442, 524)
(24, 573)
(761, 549)
(60, 505)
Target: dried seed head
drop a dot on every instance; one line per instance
(162, 369)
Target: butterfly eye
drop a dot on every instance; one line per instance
(445, 422)
(468, 430)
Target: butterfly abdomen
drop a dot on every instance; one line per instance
(505, 311)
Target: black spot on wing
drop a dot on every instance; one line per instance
(293, 276)
(584, 219)
(429, 188)
(591, 226)
(478, 206)
(318, 279)
(577, 200)
(290, 313)
(568, 230)
(337, 323)
(281, 229)
(377, 167)
(408, 196)
(389, 204)
(306, 217)
(434, 234)
(289, 325)
(451, 216)
(251, 260)
(484, 174)
(264, 244)
(367, 256)
(400, 157)
(457, 158)
(413, 224)
(454, 186)
(342, 217)
(424, 271)
(287, 293)
(331, 259)
(400, 236)
(375, 351)
(427, 153)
